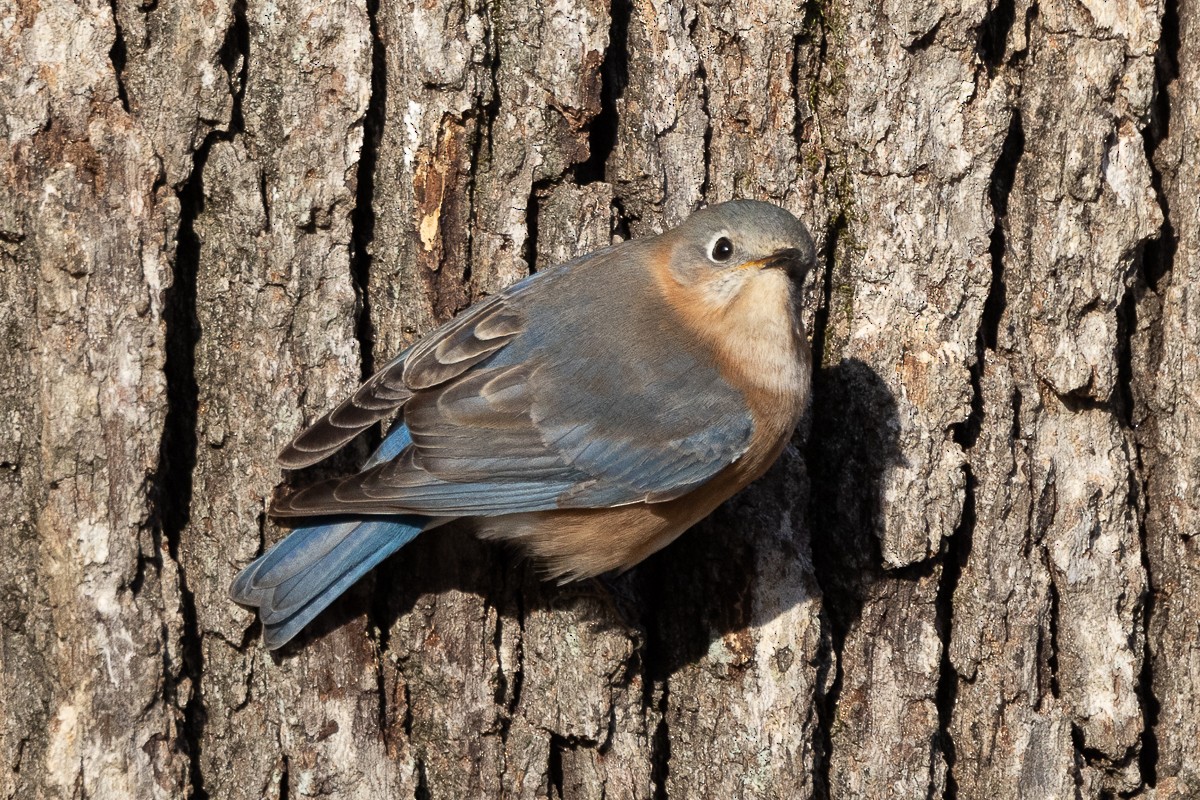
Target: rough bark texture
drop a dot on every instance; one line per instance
(976, 574)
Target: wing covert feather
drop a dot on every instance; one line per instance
(445, 354)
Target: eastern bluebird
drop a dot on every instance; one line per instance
(590, 413)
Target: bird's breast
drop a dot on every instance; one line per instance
(760, 343)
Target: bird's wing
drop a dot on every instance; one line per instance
(573, 395)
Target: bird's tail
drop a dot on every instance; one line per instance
(301, 575)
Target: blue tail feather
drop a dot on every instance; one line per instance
(304, 547)
(397, 439)
(314, 573)
(301, 575)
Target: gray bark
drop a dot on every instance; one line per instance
(975, 574)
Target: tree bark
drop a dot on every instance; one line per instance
(975, 574)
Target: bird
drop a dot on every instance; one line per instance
(589, 414)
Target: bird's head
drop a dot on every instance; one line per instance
(740, 251)
(733, 274)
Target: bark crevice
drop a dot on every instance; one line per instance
(422, 790)
(957, 547)
(118, 55)
(533, 206)
(1052, 614)
(993, 33)
(705, 109)
(178, 450)
(1122, 402)
(177, 458)
(966, 434)
(1156, 262)
(1148, 754)
(487, 109)
(813, 31)
(362, 220)
(554, 766)
(614, 75)
(234, 56)
(833, 235)
(660, 745)
(1159, 254)
(284, 779)
(826, 704)
(957, 551)
(925, 40)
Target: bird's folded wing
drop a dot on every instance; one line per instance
(525, 405)
(476, 456)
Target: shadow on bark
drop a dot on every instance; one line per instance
(854, 442)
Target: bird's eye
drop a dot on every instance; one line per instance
(722, 249)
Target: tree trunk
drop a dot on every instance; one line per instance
(976, 574)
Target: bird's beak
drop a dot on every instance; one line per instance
(790, 260)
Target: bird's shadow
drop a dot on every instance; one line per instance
(809, 528)
(820, 506)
